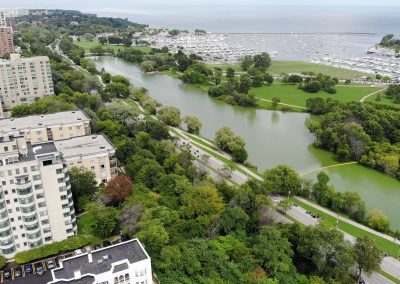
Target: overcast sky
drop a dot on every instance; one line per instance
(151, 4)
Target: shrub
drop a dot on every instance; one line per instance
(69, 244)
(3, 261)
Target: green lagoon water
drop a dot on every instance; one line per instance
(272, 137)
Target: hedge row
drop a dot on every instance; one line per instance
(56, 248)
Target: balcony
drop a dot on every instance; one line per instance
(27, 211)
(35, 244)
(23, 185)
(7, 243)
(5, 234)
(3, 216)
(34, 237)
(27, 200)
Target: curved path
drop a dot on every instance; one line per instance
(370, 95)
(282, 103)
(327, 167)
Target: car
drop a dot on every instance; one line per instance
(361, 281)
(124, 238)
(28, 268)
(39, 269)
(78, 252)
(17, 272)
(7, 274)
(97, 246)
(106, 243)
(51, 264)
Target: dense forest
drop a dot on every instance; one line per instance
(364, 132)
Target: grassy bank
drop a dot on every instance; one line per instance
(282, 66)
(383, 244)
(87, 45)
(290, 94)
(384, 100)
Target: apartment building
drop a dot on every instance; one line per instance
(94, 152)
(22, 80)
(47, 127)
(71, 132)
(123, 263)
(36, 205)
(3, 17)
(6, 40)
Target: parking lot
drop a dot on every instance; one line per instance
(39, 272)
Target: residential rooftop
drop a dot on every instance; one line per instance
(39, 121)
(38, 150)
(99, 261)
(84, 145)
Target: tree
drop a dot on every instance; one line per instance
(368, 256)
(129, 219)
(217, 75)
(117, 89)
(282, 180)
(104, 219)
(230, 73)
(124, 114)
(285, 205)
(3, 261)
(193, 124)
(246, 62)
(273, 252)
(154, 237)
(233, 219)
(245, 84)
(275, 101)
(148, 66)
(268, 78)
(118, 189)
(226, 139)
(83, 186)
(378, 220)
(262, 61)
(325, 248)
(169, 115)
(201, 201)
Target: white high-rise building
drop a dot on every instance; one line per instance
(22, 80)
(3, 18)
(36, 205)
(122, 263)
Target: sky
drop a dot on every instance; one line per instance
(152, 4)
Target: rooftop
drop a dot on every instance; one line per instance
(39, 121)
(37, 150)
(102, 260)
(84, 145)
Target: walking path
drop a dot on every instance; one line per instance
(351, 222)
(282, 103)
(327, 167)
(376, 92)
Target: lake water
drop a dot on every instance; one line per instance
(272, 137)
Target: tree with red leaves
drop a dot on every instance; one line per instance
(118, 189)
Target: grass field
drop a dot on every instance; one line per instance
(385, 100)
(87, 45)
(281, 66)
(383, 244)
(290, 94)
(84, 224)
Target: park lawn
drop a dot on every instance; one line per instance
(83, 223)
(87, 45)
(290, 94)
(283, 66)
(383, 244)
(384, 100)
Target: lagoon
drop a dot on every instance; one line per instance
(272, 137)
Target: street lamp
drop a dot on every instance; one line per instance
(288, 194)
(337, 221)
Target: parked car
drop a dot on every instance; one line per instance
(51, 264)
(97, 246)
(7, 274)
(78, 252)
(106, 243)
(28, 268)
(39, 269)
(18, 272)
(124, 238)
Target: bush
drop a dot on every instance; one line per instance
(69, 244)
